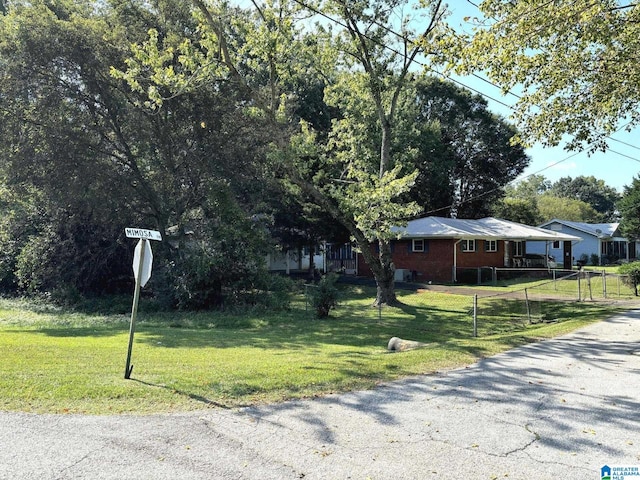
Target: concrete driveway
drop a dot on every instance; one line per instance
(559, 409)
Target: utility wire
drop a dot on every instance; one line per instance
(418, 62)
(431, 69)
(428, 67)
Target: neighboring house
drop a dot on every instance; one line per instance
(341, 258)
(599, 240)
(435, 249)
(295, 261)
(328, 257)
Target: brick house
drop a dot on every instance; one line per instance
(435, 248)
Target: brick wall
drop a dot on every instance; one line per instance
(436, 264)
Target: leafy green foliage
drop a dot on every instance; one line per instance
(517, 210)
(629, 207)
(324, 295)
(591, 191)
(87, 156)
(564, 208)
(536, 200)
(462, 151)
(633, 271)
(575, 62)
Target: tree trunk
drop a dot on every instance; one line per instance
(381, 265)
(383, 272)
(386, 293)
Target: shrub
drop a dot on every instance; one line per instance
(594, 259)
(325, 295)
(632, 270)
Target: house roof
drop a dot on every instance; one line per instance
(484, 228)
(600, 230)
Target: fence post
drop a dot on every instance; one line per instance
(589, 286)
(604, 284)
(618, 278)
(475, 316)
(494, 276)
(579, 289)
(555, 285)
(526, 298)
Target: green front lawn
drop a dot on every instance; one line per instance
(59, 361)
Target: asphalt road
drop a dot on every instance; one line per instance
(559, 409)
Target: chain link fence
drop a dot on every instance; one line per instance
(548, 296)
(546, 301)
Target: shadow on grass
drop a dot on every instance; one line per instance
(198, 398)
(71, 332)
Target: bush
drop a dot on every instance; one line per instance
(632, 270)
(269, 292)
(325, 295)
(217, 267)
(594, 259)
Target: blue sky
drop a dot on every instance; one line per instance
(614, 166)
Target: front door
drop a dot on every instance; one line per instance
(567, 263)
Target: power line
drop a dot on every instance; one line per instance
(526, 13)
(428, 67)
(418, 62)
(431, 69)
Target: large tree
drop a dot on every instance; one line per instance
(356, 175)
(564, 208)
(463, 155)
(629, 206)
(590, 190)
(574, 62)
(94, 158)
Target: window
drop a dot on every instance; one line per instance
(490, 245)
(556, 244)
(420, 245)
(468, 245)
(518, 249)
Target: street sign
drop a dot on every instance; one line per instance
(142, 262)
(142, 270)
(142, 233)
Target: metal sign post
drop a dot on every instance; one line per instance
(142, 262)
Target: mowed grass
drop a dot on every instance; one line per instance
(64, 362)
(592, 284)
